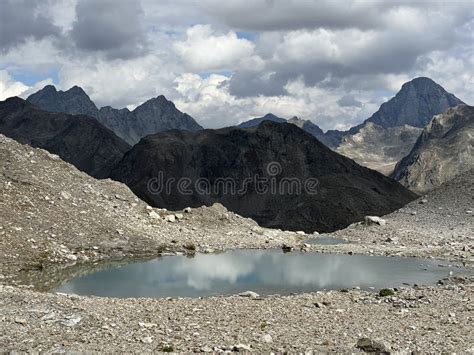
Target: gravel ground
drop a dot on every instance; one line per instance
(440, 224)
(431, 319)
(57, 217)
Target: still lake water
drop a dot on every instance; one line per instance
(262, 271)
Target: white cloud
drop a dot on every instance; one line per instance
(9, 87)
(208, 100)
(299, 58)
(455, 74)
(205, 50)
(120, 83)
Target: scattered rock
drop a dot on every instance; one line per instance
(71, 257)
(147, 325)
(170, 218)
(241, 348)
(249, 294)
(371, 346)
(267, 338)
(66, 195)
(20, 321)
(147, 340)
(423, 201)
(153, 215)
(374, 220)
(72, 320)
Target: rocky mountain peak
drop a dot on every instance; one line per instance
(77, 90)
(157, 103)
(155, 115)
(72, 101)
(256, 121)
(271, 116)
(415, 104)
(48, 88)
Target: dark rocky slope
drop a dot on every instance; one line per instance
(346, 191)
(155, 115)
(77, 139)
(444, 150)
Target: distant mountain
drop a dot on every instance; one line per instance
(80, 140)
(386, 137)
(158, 115)
(310, 127)
(305, 125)
(256, 121)
(73, 101)
(444, 150)
(415, 104)
(281, 153)
(155, 115)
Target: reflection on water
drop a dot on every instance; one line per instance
(262, 271)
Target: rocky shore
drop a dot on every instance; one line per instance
(53, 216)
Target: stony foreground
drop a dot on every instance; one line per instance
(430, 319)
(52, 215)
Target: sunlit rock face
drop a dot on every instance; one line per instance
(444, 150)
(379, 148)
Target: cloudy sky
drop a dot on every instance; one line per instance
(223, 62)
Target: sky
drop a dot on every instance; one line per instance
(223, 62)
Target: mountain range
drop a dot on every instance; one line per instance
(390, 133)
(155, 115)
(98, 141)
(346, 191)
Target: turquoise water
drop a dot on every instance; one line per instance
(262, 271)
